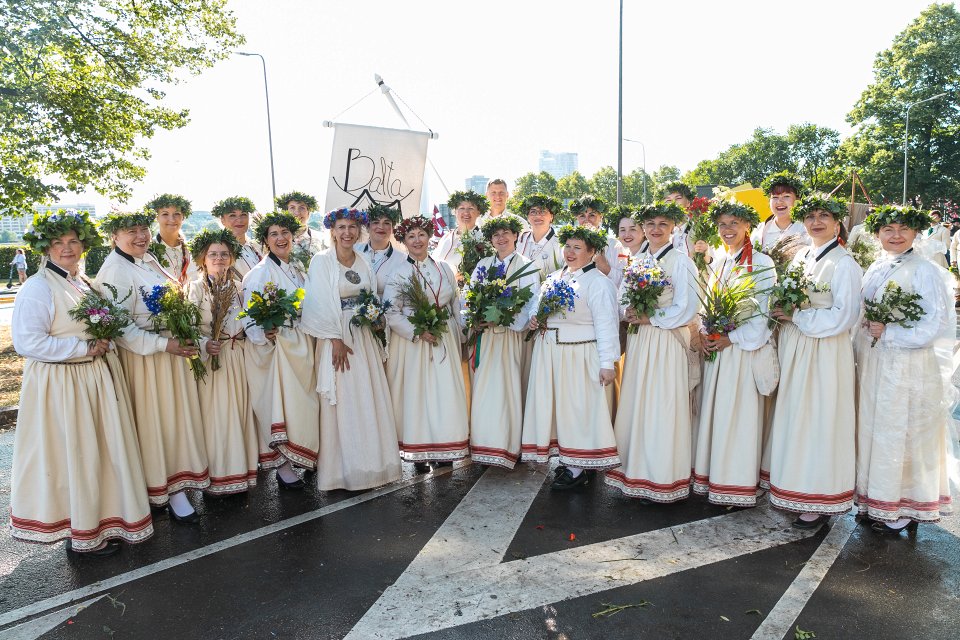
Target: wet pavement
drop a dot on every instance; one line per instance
(476, 553)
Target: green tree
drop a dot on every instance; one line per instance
(81, 88)
(531, 183)
(604, 184)
(923, 61)
(632, 190)
(662, 177)
(572, 186)
(813, 151)
(752, 161)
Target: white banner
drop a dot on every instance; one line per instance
(373, 164)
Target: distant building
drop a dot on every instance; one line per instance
(558, 165)
(477, 183)
(447, 215)
(18, 224)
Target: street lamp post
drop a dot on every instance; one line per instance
(620, 115)
(906, 141)
(644, 148)
(266, 92)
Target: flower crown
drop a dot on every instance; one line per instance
(733, 208)
(886, 214)
(171, 200)
(115, 222)
(202, 241)
(283, 219)
(481, 202)
(507, 221)
(818, 202)
(594, 239)
(234, 203)
(360, 217)
(549, 203)
(786, 179)
(51, 225)
(296, 196)
(669, 210)
(682, 188)
(611, 220)
(377, 210)
(585, 202)
(408, 224)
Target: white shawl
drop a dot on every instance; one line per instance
(320, 313)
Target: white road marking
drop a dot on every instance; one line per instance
(62, 599)
(39, 626)
(456, 596)
(791, 603)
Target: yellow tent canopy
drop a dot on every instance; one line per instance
(748, 194)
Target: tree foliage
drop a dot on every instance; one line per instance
(81, 88)
(531, 183)
(923, 61)
(572, 186)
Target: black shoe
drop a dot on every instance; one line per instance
(190, 518)
(158, 508)
(296, 485)
(559, 470)
(109, 548)
(566, 480)
(886, 530)
(421, 467)
(443, 463)
(811, 524)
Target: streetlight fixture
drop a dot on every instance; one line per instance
(644, 148)
(906, 139)
(620, 115)
(266, 91)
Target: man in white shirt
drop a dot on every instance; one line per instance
(783, 189)
(497, 196)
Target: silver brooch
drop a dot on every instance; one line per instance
(352, 277)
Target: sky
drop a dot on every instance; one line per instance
(499, 81)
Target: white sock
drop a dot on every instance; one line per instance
(287, 474)
(899, 524)
(180, 504)
(575, 472)
(809, 517)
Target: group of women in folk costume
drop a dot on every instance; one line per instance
(864, 422)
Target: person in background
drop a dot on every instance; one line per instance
(169, 246)
(938, 238)
(380, 249)
(308, 241)
(234, 214)
(498, 195)
(469, 206)
(539, 242)
(589, 212)
(783, 189)
(18, 265)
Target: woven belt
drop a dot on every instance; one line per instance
(349, 303)
(556, 336)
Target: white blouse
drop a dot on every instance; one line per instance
(33, 313)
(681, 311)
(754, 333)
(845, 289)
(271, 269)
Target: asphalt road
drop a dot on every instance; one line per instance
(475, 553)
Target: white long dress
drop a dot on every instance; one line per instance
(76, 460)
(426, 381)
(729, 435)
(567, 412)
(903, 434)
(812, 437)
(652, 426)
(230, 430)
(496, 416)
(358, 443)
(282, 376)
(163, 392)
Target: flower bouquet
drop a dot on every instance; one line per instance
(223, 293)
(170, 310)
(644, 282)
(698, 206)
(105, 319)
(896, 306)
(792, 291)
(864, 250)
(369, 312)
(427, 315)
(703, 228)
(491, 297)
(556, 296)
(473, 248)
(727, 304)
(273, 308)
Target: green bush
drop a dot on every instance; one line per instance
(94, 260)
